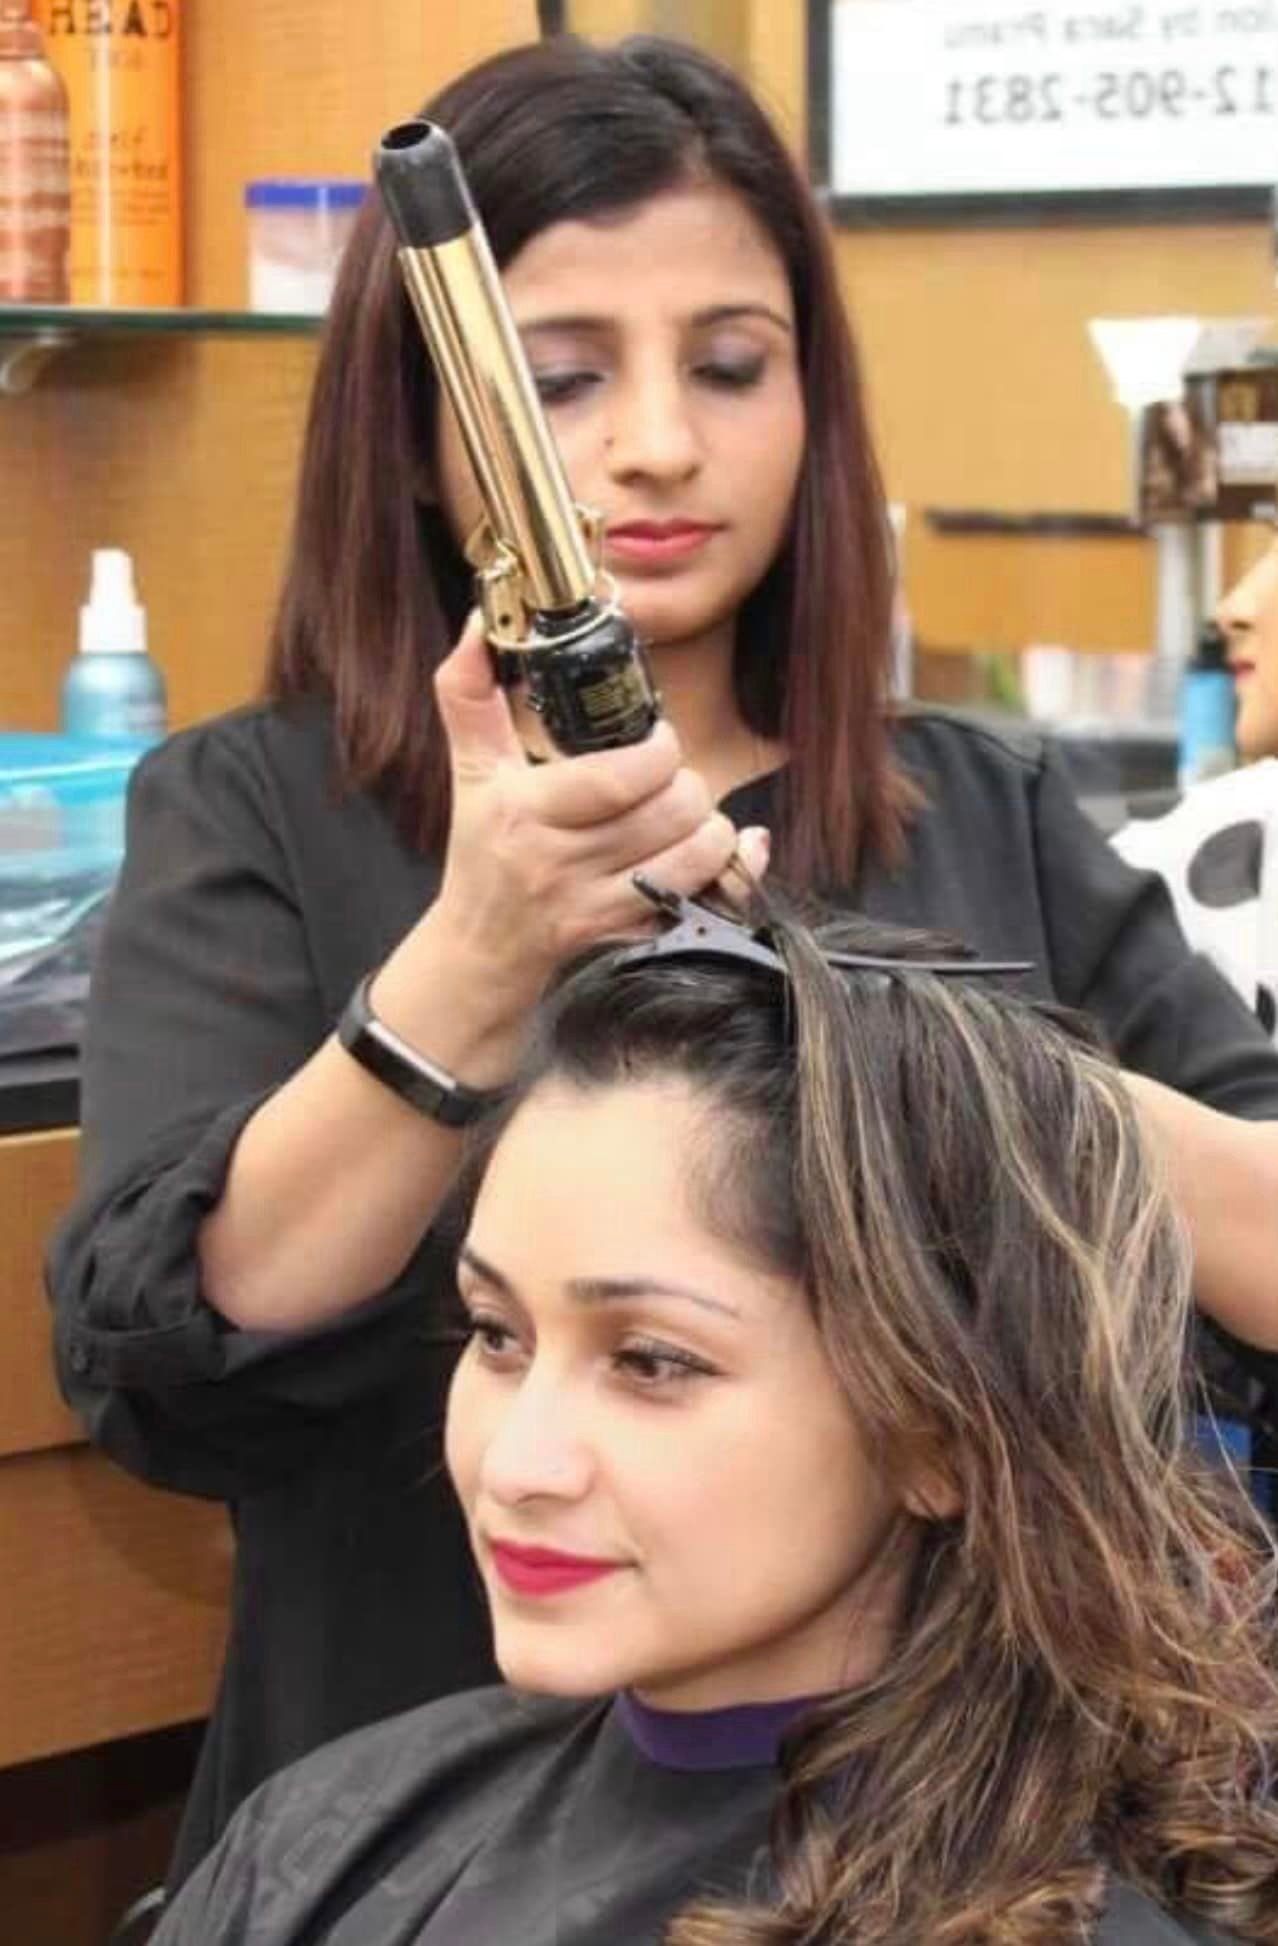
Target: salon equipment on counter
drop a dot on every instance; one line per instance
(550, 612)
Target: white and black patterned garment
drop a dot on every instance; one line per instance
(498, 1820)
(1217, 852)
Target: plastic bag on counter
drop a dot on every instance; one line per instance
(48, 935)
(61, 843)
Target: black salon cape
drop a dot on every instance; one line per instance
(250, 903)
(497, 1820)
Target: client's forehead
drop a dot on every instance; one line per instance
(604, 1183)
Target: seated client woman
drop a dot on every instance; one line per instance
(823, 1448)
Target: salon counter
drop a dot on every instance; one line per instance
(114, 1593)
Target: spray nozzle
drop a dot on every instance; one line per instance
(112, 621)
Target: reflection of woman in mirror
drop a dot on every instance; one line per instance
(1249, 616)
(822, 1442)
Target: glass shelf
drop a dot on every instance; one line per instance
(32, 334)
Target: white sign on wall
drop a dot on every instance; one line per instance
(969, 98)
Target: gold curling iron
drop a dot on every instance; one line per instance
(550, 612)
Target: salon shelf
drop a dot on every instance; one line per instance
(1063, 525)
(32, 334)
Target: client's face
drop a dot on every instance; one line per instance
(664, 1483)
(1249, 616)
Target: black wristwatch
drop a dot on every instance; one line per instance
(430, 1089)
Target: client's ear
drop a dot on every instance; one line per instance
(933, 1494)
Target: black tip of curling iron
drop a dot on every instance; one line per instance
(422, 185)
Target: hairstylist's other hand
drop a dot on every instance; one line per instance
(541, 857)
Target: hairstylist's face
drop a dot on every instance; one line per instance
(664, 1483)
(1249, 616)
(663, 345)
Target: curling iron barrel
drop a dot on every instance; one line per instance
(549, 611)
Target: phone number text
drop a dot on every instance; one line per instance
(1110, 95)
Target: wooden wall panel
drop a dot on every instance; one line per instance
(37, 1179)
(114, 1605)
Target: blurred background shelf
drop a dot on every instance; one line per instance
(32, 334)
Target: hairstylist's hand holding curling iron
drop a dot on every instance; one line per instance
(335, 1178)
(541, 857)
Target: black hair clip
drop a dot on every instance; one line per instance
(697, 931)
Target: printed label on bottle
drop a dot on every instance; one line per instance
(119, 59)
(610, 701)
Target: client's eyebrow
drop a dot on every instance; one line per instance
(604, 1290)
(600, 1290)
(714, 314)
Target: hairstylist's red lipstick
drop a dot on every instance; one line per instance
(542, 1571)
(653, 542)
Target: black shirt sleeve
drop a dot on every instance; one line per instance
(203, 1001)
(1118, 954)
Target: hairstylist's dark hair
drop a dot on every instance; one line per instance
(1083, 1678)
(376, 590)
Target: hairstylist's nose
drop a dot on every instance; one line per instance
(533, 1451)
(650, 432)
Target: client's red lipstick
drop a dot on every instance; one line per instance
(542, 1571)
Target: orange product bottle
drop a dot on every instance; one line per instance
(120, 62)
(34, 189)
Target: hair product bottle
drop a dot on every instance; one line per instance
(34, 178)
(119, 60)
(112, 688)
(1208, 706)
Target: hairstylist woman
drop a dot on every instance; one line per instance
(252, 1302)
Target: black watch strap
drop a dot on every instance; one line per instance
(430, 1089)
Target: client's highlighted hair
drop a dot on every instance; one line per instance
(1083, 1680)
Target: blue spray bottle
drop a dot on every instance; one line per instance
(112, 688)
(1208, 707)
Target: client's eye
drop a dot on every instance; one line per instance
(650, 1366)
(494, 1340)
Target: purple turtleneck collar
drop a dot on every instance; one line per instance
(724, 1739)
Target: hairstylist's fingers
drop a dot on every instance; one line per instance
(747, 867)
(473, 706)
(606, 784)
(688, 868)
(665, 818)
